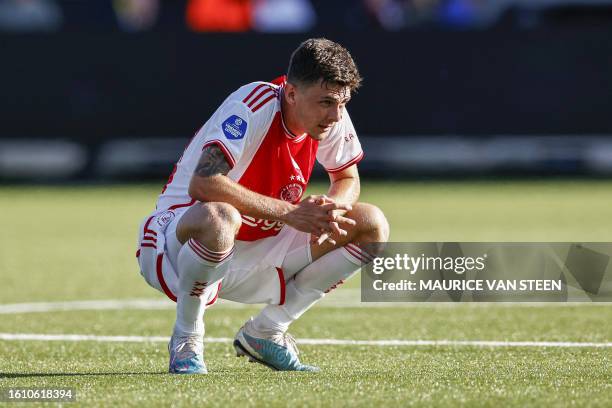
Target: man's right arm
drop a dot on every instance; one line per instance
(209, 183)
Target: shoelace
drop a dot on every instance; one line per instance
(188, 347)
(287, 340)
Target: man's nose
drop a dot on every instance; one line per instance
(335, 114)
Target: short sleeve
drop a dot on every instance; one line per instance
(230, 128)
(341, 148)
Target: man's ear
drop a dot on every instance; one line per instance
(290, 93)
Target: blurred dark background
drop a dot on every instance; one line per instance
(112, 90)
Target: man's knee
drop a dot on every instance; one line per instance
(372, 225)
(211, 223)
(223, 215)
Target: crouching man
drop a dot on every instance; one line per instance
(231, 222)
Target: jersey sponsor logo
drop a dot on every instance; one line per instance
(264, 225)
(165, 218)
(234, 127)
(291, 192)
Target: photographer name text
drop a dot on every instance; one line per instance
(505, 285)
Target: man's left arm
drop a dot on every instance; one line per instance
(344, 188)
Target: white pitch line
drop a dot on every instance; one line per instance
(109, 304)
(146, 304)
(102, 339)
(474, 343)
(320, 342)
(345, 299)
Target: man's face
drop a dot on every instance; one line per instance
(317, 107)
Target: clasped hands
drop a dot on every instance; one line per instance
(322, 217)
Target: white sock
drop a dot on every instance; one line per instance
(310, 285)
(200, 271)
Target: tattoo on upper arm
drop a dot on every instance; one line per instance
(212, 162)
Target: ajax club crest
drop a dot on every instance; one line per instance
(291, 192)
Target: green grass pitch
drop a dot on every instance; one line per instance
(78, 243)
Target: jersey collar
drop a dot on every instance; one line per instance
(289, 134)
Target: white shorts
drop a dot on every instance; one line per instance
(254, 275)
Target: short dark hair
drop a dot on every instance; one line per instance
(321, 59)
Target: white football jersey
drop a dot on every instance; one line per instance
(264, 155)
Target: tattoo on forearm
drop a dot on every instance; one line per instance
(212, 162)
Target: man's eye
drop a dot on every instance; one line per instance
(325, 103)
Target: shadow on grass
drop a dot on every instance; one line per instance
(34, 375)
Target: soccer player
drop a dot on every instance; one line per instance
(231, 221)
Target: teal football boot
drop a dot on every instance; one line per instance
(186, 355)
(278, 352)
